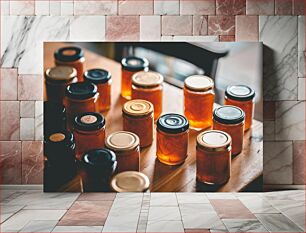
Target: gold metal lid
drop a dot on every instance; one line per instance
(122, 141)
(147, 79)
(61, 73)
(214, 140)
(138, 107)
(130, 181)
(57, 137)
(199, 83)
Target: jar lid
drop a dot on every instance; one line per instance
(199, 83)
(240, 92)
(60, 138)
(102, 158)
(134, 63)
(147, 79)
(54, 110)
(89, 121)
(172, 123)
(229, 114)
(138, 107)
(122, 141)
(130, 181)
(214, 139)
(61, 73)
(81, 90)
(69, 54)
(97, 76)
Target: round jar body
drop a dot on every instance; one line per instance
(128, 160)
(104, 90)
(126, 83)
(54, 117)
(56, 90)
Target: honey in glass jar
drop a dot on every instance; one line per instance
(102, 79)
(126, 147)
(130, 181)
(148, 86)
(131, 65)
(243, 97)
(71, 56)
(230, 119)
(89, 132)
(213, 157)
(199, 99)
(172, 138)
(138, 119)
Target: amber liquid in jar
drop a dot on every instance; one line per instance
(230, 119)
(213, 157)
(131, 65)
(243, 97)
(89, 132)
(172, 139)
(138, 119)
(148, 86)
(199, 99)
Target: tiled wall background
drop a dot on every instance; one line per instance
(279, 24)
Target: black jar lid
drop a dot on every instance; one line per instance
(54, 110)
(59, 139)
(68, 54)
(97, 76)
(240, 92)
(134, 63)
(172, 123)
(81, 90)
(102, 158)
(229, 114)
(89, 121)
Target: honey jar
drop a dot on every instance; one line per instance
(57, 78)
(148, 86)
(80, 97)
(131, 65)
(213, 157)
(243, 97)
(138, 118)
(103, 81)
(230, 119)
(172, 138)
(130, 181)
(126, 147)
(199, 99)
(89, 132)
(71, 56)
(54, 117)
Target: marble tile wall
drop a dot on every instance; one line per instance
(279, 24)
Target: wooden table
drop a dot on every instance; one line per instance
(246, 167)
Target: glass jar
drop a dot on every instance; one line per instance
(56, 79)
(230, 119)
(148, 86)
(243, 97)
(138, 119)
(131, 65)
(102, 79)
(71, 56)
(126, 147)
(130, 181)
(89, 132)
(54, 117)
(80, 97)
(213, 157)
(172, 139)
(199, 99)
(98, 167)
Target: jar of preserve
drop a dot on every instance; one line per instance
(213, 157)
(199, 99)
(131, 65)
(89, 132)
(98, 167)
(138, 119)
(102, 79)
(54, 117)
(172, 139)
(130, 181)
(80, 97)
(126, 147)
(148, 86)
(71, 56)
(57, 78)
(243, 97)
(230, 119)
